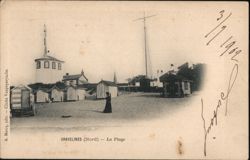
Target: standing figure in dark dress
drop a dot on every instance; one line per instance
(108, 108)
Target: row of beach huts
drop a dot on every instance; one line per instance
(59, 92)
(23, 98)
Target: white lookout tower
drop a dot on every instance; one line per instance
(48, 69)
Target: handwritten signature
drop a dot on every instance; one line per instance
(231, 49)
(224, 97)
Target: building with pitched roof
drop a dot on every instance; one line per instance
(106, 86)
(75, 80)
(140, 83)
(80, 93)
(175, 85)
(42, 95)
(56, 94)
(21, 100)
(53, 92)
(70, 93)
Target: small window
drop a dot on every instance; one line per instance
(38, 64)
(59, 66)
(46, 64)
(53, 65)
(186, 85)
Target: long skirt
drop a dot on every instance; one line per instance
(108, 108)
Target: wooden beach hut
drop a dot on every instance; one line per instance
(21, 100)
(106, 86)
(71, 93)
(80, 93)
(56, 94)
(42, 95)
(175, 85)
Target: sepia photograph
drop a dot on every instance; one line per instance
(120, 79)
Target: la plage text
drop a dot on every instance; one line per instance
(93, 139)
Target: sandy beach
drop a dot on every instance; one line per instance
(87, 114)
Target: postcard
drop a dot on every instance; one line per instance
(124, 79)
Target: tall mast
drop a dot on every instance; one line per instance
(115, 78)
(45, 41)
(145, 40)
(145, 44)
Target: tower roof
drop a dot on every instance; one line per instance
(46, 57)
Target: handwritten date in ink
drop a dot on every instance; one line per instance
(230, 47)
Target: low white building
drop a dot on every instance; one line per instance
(71, 93)
(57, 95)
(41, 95)
(175, 85)
(75, 80)
(80, 93)
(106, 86)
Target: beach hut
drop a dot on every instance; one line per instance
(71, 93)
(56, 94)
(80, 93)
(42, 95)
(21, 101)
(106, 86)
(175, 85)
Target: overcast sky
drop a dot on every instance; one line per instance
(101, 37)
